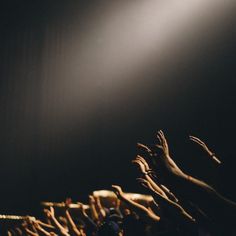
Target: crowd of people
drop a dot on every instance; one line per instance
(177, 204)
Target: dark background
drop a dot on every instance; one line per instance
(57, 143)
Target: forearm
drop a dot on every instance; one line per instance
(154, 185)
(90, 224)
(31, 233)
(94, 212)
(59, 226)
(45, 225)
(43, 231)
(72, 225)
(100, 209)
(140, 209)
(203, 195)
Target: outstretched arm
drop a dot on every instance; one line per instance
(72, 226)
(175, 210)
(190, 188)
(51, 215)
(138, 208)
(205, 148)
(41, 230)
(168, 164)
(144, 168)
(90, 224)
(94, 212)
(100, 209)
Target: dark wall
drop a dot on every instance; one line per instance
(58, 143)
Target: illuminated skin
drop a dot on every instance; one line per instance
(72, 226)
(51, 215)
(25, 227)
(174, 169)
(31, 233)
(144, 168)
(138, 208)
(175, 211)
(36, 228)
(18, 231)
(41, 230)
(198, 196)
(168, 167)
(205, 148)
(94, 212)
(161, 194)
(42, 224)
(191, 189)
(100, 209)
(88, 221)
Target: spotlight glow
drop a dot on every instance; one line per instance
(119, 44)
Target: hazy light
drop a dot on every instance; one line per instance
(119, 44)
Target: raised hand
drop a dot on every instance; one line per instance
(73, 230)
(163, 143)
(170, 207)
(169, 193)
(145, 148)
(143, 212)
(26, 229)
(100, 209)
(118, 191)
(170, 165)
(41, 230)
(204, 146)
(143, 168)
(51, 215)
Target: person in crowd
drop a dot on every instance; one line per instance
(180, 205)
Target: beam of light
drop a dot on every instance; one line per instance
(120, 43)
